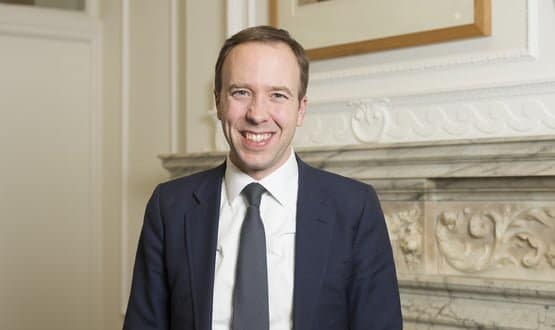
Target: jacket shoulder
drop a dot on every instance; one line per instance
(345, 195)
(185, 186)
(335, 182)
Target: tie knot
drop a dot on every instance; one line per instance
(253, 193)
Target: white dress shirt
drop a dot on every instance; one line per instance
(278, 209)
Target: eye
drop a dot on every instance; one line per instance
(280, 96)
(240, 93)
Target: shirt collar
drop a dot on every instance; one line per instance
(279, 183)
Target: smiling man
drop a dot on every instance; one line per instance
(263, 241)
(260, 104)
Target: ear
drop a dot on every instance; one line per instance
(303, 103)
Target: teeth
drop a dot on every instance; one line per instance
(257, 137)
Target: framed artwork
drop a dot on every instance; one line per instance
(335, 28)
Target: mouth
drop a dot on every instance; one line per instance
(257, 139)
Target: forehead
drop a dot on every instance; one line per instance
(269, 59)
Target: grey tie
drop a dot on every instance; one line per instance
(250, 299)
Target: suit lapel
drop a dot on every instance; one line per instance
(312, 246)
(201, 232)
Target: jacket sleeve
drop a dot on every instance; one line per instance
(373, 292)
(148, 302)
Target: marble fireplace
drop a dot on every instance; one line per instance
(472, 225)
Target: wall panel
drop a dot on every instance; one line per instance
(49, 196)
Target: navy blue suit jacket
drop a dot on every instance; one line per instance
(344, 272)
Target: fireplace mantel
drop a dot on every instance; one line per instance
(472, 225)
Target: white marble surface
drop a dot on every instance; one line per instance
(472, 225)
(452, 302)
(445, 159)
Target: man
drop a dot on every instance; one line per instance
(309, 251)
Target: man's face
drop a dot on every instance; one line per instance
(258, 105)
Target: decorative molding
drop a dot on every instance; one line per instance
(369, 120)
(541, 291)
(497, 239)
(473, 118)
(529, 52)
(240, 14)
(422, 65)
(325, 129)
(532, 28)
(174, 75)
(469, 159)
(125, 116)
(235, 16)
(407, 237)
(251, 12)
(524, 109)
(96, 175)
(550, 255)
(91, 8)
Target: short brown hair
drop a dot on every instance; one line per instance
(262, 33)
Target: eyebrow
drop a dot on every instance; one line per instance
(281, 89)
(232, 86)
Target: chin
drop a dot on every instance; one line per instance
(257, 166)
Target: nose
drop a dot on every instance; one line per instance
(257, 111)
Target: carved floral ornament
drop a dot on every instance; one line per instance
(405, 232)
(477, 241)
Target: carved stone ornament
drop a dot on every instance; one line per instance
(405, 231)
(470, 118)
(369, 119)
(476, 241)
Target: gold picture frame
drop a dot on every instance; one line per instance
(288, 14)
